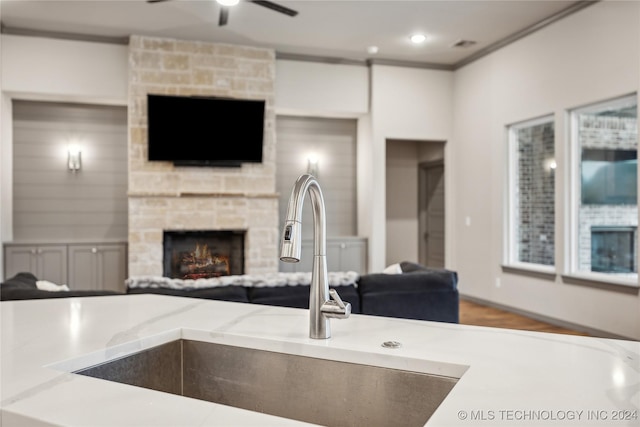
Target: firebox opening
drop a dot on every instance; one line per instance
(203, 254)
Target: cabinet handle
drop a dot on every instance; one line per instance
(94, 250)
(33, 252)
(39, 251)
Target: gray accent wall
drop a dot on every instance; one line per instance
(51, 203)
(334, 143)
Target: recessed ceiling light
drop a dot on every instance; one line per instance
(228, 2)
(372, 50)
(418, 38)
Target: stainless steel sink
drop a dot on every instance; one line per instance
(318, 391)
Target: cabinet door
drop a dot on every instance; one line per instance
(353, 256)
(112, 267)
(347, 255)
(47, 262)
(333, 256)
(82, 267)
(343, 254)
(20, 259)
(97, 267)
(52, 263)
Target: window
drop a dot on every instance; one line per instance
(604, 208)
(531, 234)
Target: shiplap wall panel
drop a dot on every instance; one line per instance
(334, 143)
(52, 203)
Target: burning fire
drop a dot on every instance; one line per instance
(202, 253)
(202, 264)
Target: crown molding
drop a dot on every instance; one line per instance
(575, 7)
(63, 36)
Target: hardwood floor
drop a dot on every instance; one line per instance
(472, 313)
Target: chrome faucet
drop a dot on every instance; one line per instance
(323, 302)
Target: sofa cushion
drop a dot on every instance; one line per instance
(428, 280)
(221, 293)
(298, 296)
(410, 267)
(21, 281)
(421, 295)
(9, 294)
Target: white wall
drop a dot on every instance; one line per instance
(64, 70)
(321, 90)
(589, 56)
(410, 104)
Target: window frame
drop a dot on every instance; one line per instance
(510, 256)
(573, 196)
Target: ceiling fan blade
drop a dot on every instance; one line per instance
(157, 1)
(274, 6)
(224, 16)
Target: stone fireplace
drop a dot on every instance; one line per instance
(164, 197)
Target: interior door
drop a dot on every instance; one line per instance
(431, 202)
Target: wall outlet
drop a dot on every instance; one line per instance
(467, 221)
(498, 284)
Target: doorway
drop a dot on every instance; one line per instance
(415, 202)
(431, 214)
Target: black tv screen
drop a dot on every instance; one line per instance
(202, 131)
(609, 176)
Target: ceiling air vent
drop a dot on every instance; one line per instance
(464, 43)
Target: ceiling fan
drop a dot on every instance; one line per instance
(225, 5)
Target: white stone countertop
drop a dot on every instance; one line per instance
(507, 377)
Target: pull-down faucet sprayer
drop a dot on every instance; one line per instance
(323, 303)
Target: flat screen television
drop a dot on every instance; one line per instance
(609, 176)
(205, 131)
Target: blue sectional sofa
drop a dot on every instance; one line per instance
(417, 293)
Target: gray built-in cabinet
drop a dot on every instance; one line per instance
(80, 266)
(46, 262)
(98, 267)
(343, 254)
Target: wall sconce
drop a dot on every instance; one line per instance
(74, 158)
(312, 165)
